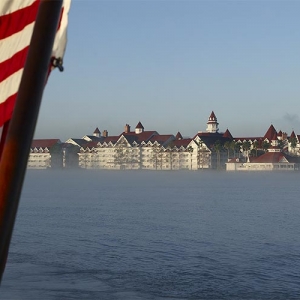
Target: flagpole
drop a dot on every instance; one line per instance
(22, 125)
(3, 136)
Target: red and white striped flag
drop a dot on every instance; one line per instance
(17, 19)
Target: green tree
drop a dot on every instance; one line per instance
(266, 145)
(246, 147)
(238, 146)
(155, 155)
(227, 146)
(122, 155)
(293, 143)
(255, 146)
(169, 158)
(280, 144)
(218, 148)
(233, 147)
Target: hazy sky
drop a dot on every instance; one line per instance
(168, 64)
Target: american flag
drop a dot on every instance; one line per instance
(17, 19)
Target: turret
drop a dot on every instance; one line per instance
(178, 136)
(139, 128)
(212, 124)
(97, 132)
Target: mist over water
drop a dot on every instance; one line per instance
(155, 235)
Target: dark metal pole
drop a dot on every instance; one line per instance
(22, 125)
(3, 136)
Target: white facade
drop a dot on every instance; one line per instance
(44, 154)
(39, 159)
(190, 154)
(148, 150)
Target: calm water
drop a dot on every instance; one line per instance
(156, 235)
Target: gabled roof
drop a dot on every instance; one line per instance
(113, 139)
(93, 138)
(139, 125)
(181, 143)
(209, 139)
(178, 136)
(271, 157)
(227, 134)
(45, 143)
(270, 133)
(162, 139)
(293, 135)
(78, 142)
(97, 130)
(140, 137)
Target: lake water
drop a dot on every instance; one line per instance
(156, 235)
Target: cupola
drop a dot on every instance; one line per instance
(97, 132)
(178, 136)
(212, 124)
(139, 128)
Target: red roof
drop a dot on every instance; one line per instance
(139, 125)
(212, 117)
(182, 142)
(45, 143)
(270, 133)
(161, 138)
(269, 157)
(178, 136)
(293, 135)
(141, 137)
(227, 134)
(108, 139)
(274, 138)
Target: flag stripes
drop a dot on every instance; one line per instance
(17, 20)
(10, 66)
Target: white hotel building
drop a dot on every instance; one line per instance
(140, 149)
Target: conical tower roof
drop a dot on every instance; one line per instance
(212, 118)
(270, 133)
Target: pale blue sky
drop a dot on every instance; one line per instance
(168, 64)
